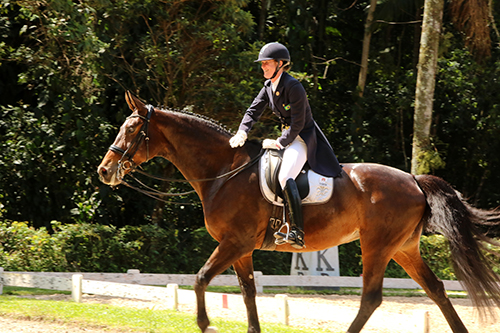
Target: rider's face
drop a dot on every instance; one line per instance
(268, 67)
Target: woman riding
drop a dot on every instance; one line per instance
(301, 138)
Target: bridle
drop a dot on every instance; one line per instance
(126, 163)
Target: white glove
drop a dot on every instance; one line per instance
(238, 139)
(271, 144)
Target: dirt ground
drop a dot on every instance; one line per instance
(334, 313)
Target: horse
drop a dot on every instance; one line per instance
(385, 208)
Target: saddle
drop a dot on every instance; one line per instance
(313, 187)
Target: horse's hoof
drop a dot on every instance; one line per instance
(211, 329)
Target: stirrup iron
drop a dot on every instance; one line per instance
(284, 238)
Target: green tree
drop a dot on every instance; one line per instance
(65, 65)
(51, 123)
(68, 64)
(471, 16)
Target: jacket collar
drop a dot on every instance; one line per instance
(281, 83)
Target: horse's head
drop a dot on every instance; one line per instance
(131, 146)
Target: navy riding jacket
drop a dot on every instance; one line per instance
(289, 102)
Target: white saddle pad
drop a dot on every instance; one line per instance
(320, 187)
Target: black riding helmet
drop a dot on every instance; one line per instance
(274, 51)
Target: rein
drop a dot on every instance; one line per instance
(229, 174)
(156, 194)
(126, 163)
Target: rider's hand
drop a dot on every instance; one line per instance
(271, 144)
(238, 139)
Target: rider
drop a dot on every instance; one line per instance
(301, 138)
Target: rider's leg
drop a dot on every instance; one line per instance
(292, 197)
(294, 158)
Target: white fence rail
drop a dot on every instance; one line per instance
(45, 280)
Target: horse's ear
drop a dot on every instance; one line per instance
(135, 104)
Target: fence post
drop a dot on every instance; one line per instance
(133, 271)
(76, 289)
(282, 308)
(258, 285)
(1, 280)
(421, 319)
(172, 296)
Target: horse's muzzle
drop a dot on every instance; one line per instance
(107, 175)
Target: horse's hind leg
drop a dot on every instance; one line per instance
(244, 269)
(224, 255)
(409, 258)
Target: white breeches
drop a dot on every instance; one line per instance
(294, 158)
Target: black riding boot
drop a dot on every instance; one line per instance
(296, 235)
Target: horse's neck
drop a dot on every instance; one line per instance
(197, 150)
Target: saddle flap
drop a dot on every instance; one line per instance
(275, 158)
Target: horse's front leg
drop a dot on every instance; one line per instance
(374, 264)
(224, 255)
(244, 269)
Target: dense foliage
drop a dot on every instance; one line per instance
(97, 248)
(84, 247)
(65, 66)
(87, 247)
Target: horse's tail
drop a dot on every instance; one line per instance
(451, 216)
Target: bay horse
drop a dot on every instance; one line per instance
(385, 208)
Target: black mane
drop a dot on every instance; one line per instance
(210, 122)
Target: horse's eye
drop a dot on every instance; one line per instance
(130, 129)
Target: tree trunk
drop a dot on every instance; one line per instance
(366, 48)
(262, 19)
(321, 13)
(424, 94)
(492, 19)
(417, 34)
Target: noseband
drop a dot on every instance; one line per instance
(127, 162)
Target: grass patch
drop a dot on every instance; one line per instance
(22, 291)
(126, 319)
